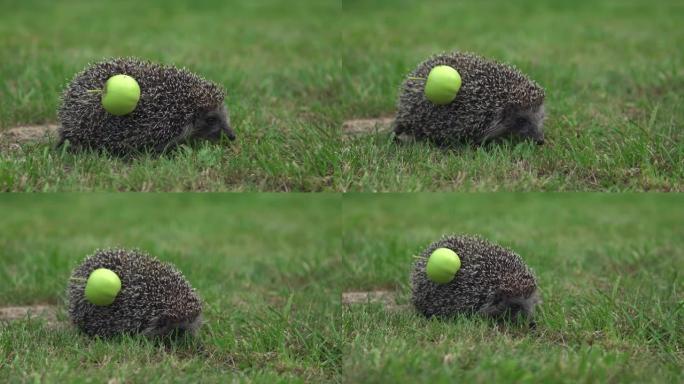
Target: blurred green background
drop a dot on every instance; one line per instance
(271, 269)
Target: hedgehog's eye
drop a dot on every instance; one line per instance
(211, 120)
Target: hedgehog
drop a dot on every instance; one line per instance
(155, 299)
(495, 101)
(175, 107)
(492, 281)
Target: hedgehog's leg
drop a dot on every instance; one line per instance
(62, 142)
(397, 127)
(399, 131)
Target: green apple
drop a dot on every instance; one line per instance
(442, 84)
(442, 265)
(102, 287)
(120, 95)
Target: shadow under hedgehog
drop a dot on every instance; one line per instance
(176, 106)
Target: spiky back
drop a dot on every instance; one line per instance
(487, 89)
(170, 99)
(153, 295)
(488, 271)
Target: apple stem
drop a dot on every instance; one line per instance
(416, 78)
(94, 91)
(78, 279)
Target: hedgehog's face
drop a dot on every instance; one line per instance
(516, 122)
(515, 296)
(183, 315)
(168, 324)
(529, 124)
(213, 125)
(503, 304)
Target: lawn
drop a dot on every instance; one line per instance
(273, 271)
(263, 263)
(295, 71)
(609, 268)
(278, 61)
(613, 76)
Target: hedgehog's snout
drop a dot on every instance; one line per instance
(224, 127)
(174, 321)
(506, 303)
(215, 125)
(228, 132)
(537, 117)
(528, 128)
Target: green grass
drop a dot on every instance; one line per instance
(612, 71)
(277, 60)
(295, 70)
(609, 269)
(263, 264)
(270, 269)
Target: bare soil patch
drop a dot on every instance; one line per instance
(386, 298)
(28, 133)
(39, 311)
(366, 126)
